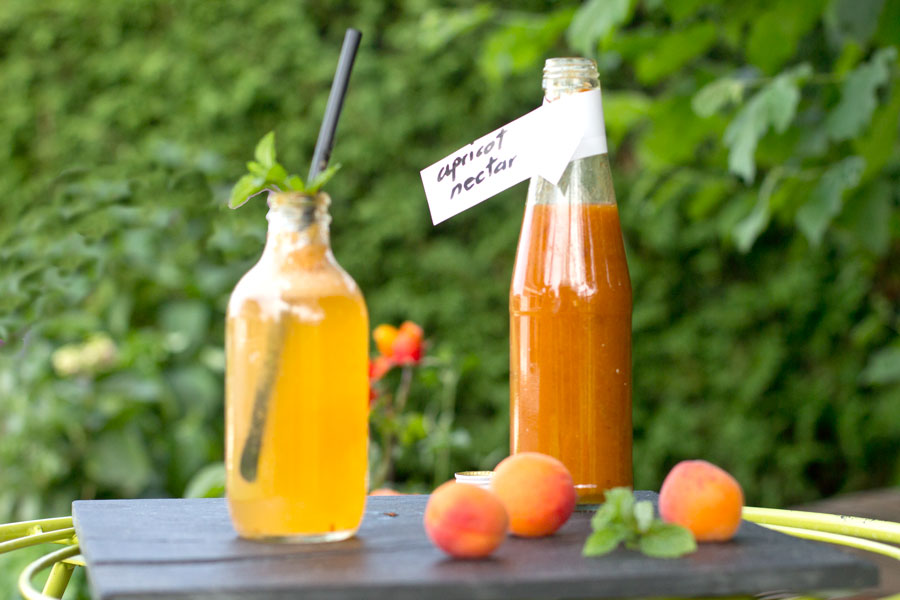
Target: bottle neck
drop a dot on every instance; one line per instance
(586, 180)
(298, 227)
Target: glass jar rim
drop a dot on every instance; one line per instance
(292, 198)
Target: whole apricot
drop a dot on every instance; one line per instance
(704, 498)
(465, 521)
(537, 491)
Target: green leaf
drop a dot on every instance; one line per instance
(265, 150)
(877, 145)
(883, 367)
(522, 45)
(620, 501)
(622, 111)
(322, 178)
(674, 50)
(208, 482)
(674, 136)
(603, 541)
(748, 229)
(716, 95)
(607, 513)
(775, 33)
(119, 459)
(594, 21)
(856, 19)
(824, 201)
(439, 27)
(246, 187)
(277, 175)
(295, 182)
(858, 96)
(643, 515)
(888, 31)
(869, 216)
(185, 323)
(774, 107)
(257, 169)
(667, 540)
(682, 9)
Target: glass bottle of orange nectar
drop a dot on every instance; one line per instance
(570, 308)
(296, 384)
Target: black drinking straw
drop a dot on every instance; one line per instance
(335, 102)
(253, 445)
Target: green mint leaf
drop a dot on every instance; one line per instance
(277, 175)
(322, 178)
(603, 541)
(643, 515)
(606, 514)
(257, 169)
(612, 510)
(667, 540)
(623, 497)
(246, 187)
(265, 150)
(294, 182)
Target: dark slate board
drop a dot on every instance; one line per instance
(186, 549)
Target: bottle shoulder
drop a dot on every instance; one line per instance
(270, 284)
(585, 181)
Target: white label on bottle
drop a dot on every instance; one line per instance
(542, 142)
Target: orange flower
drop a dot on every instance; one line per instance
(379, 367)
(384, 336)
(408, 345)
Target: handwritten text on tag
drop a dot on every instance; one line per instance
(541, 142)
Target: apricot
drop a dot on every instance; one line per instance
(465, 521)
(704, 498)
(537, 491)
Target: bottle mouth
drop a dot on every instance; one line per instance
(569, 74)
(278, 199)
(298, 210)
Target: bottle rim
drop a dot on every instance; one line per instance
(296, 211)
(291, 198)
(570, 66)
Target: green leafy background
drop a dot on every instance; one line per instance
(755, 156)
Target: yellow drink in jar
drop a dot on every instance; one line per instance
(297, 346)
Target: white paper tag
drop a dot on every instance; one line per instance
(542, 142)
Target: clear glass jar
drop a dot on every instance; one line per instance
(296, 384)
(570, 316)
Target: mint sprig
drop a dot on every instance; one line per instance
(265, 173)
(621, 519)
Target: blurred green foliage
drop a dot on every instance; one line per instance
(755, 154)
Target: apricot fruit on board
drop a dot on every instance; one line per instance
(537, 491)
(465, 521)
